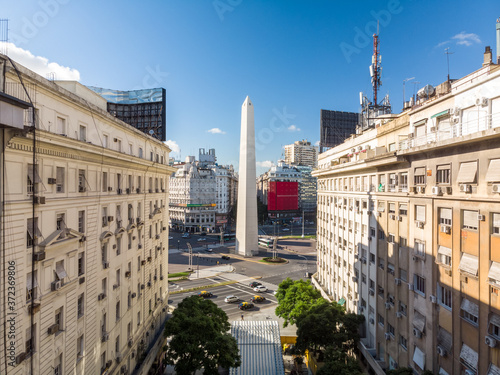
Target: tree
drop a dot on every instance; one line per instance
(345, 365)
(406, 371)
(199, 338)
(261, 212)
(295, 298)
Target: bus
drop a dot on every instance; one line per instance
(266, 242)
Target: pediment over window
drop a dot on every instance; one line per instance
(60, 235)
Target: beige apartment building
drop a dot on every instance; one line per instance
(409, 230)
(84, 228)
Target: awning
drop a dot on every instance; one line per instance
(420, 213)
(467, 172)
(470, 307)
(61, 272)
(445, 213)
(469, 356)
(469, 263)
(28, 282)
(494, 273)
(445, 339)
(419, 321)
(419, 358)
(443, 113)
(444, 167)
(444, 251)
(420, 171)
(494, 370)
(341, 301)
(421, 122)
(470, 219)
(493, 173)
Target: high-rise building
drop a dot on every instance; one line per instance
(84, 238)
(335, 126)
(301, 153)
(408, 229)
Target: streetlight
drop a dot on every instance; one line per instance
(305, 262)
(178, 244)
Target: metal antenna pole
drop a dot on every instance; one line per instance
(448, 53)
(404, 82)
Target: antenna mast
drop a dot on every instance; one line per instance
(375, 68)
(448, 53)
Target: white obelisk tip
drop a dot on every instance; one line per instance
(247, 101)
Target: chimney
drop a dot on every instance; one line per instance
(498, 40)
(487, 56)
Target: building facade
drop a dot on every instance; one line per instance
(335, 126)
(83, 234)
(301, 153)
(408, 230)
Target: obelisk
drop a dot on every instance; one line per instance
(246, 218)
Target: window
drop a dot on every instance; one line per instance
(380, 291)
(403, 342)
(30, 341)
(130, 149)
(119, 182)
(32, 233)
(363, 278)
(381, 235)
(381, 263)
(392, 147)
(469, 264)
(80, 305)
(119, 145)
(105, 140)
(104, 181)
(470, 220)
(390, 268)
(104, 285)
(104, 252)
(381, 206)
(59, 180)
(61, 125)
(420, 213)
(372, 284)
(82, 181)
(83, 133)
(79, 347)
(372, 258)
(390, 329)
(403, 209)
(118, 245)
(118, 277)
(117, 344)
(494, 325)
(104, 216)
(419, 176)
(33, 179)
(403, 242)
(391, 238)
(58, 365)
(60, 224)
(403, 275)
(469, 311)
(58, 318)
(444, 255)
(81, 263)
(380, 320)
(81, 221)
(31, 286)
(118, 311)
(419, 248)
(140, 152)
(392, 208)
(495, 220)
(60, 271)
(443, 174)
(403, 181)
(444, 296)
(129, 241)
(445, 215)
(419, 284)
(403, 308)
(467, 173)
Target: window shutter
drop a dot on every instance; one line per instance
(420, 213)
(470, 218)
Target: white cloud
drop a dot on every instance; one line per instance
(466, 39)
(293, 128)
(316, 143)
(216, 131)
(40, 65)
(264, 164)
(173, 146)
(442, 43)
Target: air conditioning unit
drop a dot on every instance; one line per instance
(110, 188)
(392, 217)
(361, 309)
(397, 281)
(39, 200)
(105, 265)
(56, 285)
(81, 280)
(378, 214)
(482, 102)
(412, 189)
(490, 341)
(455, 120)
(388, 305)
(53, 329)
(105, 337)
(115, 286)
(421, 189)
(82, 189)
(372, 321)
(101, 296)
(123, 369)
(110, 218)
(372, 292)
(441, 351)
(150, 259)
(399, 314)
(433, 129)
(436, 190)
(139, 246)
(128, 274)
(410, 286)
(445, 229)
(161, 277)
(142, 286)
(465, 188)
(118, 357)
(119, 191)
(411, 135)
(127, 191)
(39, 256)
(481, 217)
(52, 181)
(419, 224)
(20, 358)
(495, 188)
(149, 284)
(455, 111)
(363, 260)
(449, 190)
(157, 237)
(387, 336)
(417, 333)
(109, 363)
(399, 218)
(433, 299)
(143, 262)
(448, 272)
(83, 239)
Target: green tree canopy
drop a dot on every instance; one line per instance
(200, 338)
(346, 365)
(406, 371)
(295, 298)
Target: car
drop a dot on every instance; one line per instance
(285, 229)
(258, 299)
(260, 288)
(226, 257)
(170, 237)
(231, 299)
(204, 294)
(185, 235)
(203, 233)
(245, 305)
(209, 250)
(201, 239)
(253, 284)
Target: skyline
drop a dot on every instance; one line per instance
(292, 60)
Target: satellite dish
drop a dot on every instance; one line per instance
(151, 132)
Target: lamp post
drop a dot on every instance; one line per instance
(305, 263)
(178, 244)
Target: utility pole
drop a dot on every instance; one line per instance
(404, 98)
(190, 256)
(302, 223)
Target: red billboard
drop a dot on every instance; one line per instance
(283, 196)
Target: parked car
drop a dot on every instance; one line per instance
(209, 250)
(170, 237)
(201, 239)
(231, 299)
(253, 284)
(203, 233)
(185, 235)
(260, 288)
(258, 299)
(204, 294)
(226, 257)
(245, 305)
(285, 230)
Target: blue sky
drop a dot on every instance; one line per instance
(292, 58)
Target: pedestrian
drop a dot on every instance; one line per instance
(241, 316)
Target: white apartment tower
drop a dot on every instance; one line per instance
(84, 232)
(301, 153)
